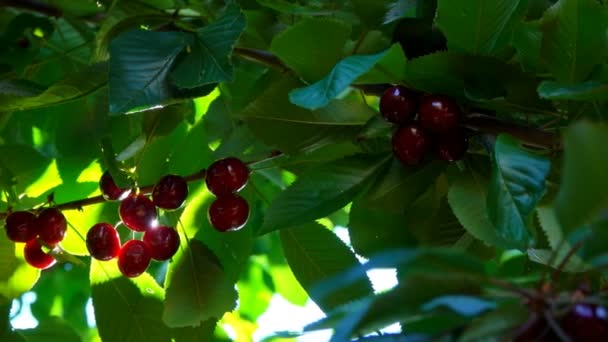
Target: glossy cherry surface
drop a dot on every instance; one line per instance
(138, 212)
(170, 192)
(228, 213)
(35, 256)
(163, 242)
(51, 226)
(103, 241)
(110, 190)
(410, 144)
(21, 226)
(439, 114)
(398, 104)
(226, 176)
(586, 322)
(133, 258)
(452, 147)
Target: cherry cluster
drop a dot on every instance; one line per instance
(46, 228)
(428, 122)
(226, 177)
(138, 212)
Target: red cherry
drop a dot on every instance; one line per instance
(452, 147)
(21, 226)
(51, 226)
(170, 192)
(35, 256)
(398, 104)
(163, 242)
(439, 114)
(226, 176)
(133, 258)
(103, 241)
(109, 189)
(410, 144)
(586, 322)
(228, 213)
(137, 212)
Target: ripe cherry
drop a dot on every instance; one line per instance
(535, 329)
(170, 192)
(51, 226)
(109, 189)
(103, 241)
(452, 147)
(21, 226)
(35, 256)
(226, 176)
(137, 212)
(410, 144)
(586, 322)
(133, 258)
(163, 242)
(439, 114)
(398, 104)
(228, 213)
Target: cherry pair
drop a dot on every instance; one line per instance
(48, 228)
(224, 178)
(430, 121)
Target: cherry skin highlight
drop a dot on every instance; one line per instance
(133, 258)
(398, 105)
(137, 212)
(51, 226)
(163, 242)
(439, 114)
(586, 322)
(170, 192)
(36, 257)
(452, 147)
(109, 189)
(228, 213)
(21, 226)
(226, 176)
(410, 144)
(103, 241)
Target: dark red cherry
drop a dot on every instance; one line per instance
(163, 242)
(170, 192)
(226, 176)
(51, 226)
(398, 104)
(35, 256)
(535, 329)
(586, 322)
(228, 212)
(21, 226)
(23, 43)
(452, 147)
(410, 144)
(133, 258)
(137, 212)
(439, 114)
(109, 189)
(103, 241)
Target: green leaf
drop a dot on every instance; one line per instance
(319, 94)
(315, 254)
(574, 38)
(311, 47)
(516, 186)
(280, 124)
(582, 194)
(16, 276)
(527, 40)
(73, 87)
(479, 27)
(50, 329)
(208, 60)
(400, 9)
(463, 305)
(371, 12)
(197, 287)
(126, 309)
(585, 91)
(555, 236)
(389, 69)
(499, 322)
(139, 64)
(321, 191)
(467, 197)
